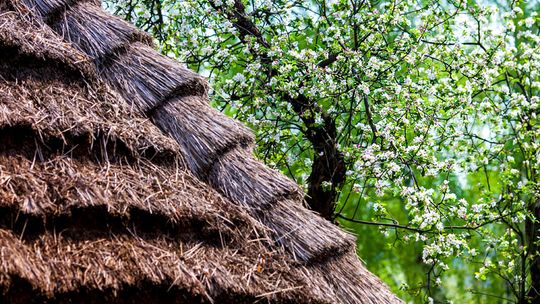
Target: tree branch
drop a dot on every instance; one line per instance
(329, 163)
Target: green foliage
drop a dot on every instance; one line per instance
(436, 107)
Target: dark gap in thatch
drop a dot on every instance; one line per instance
(95, 222)
(20, 291)
(165, 157)
(25, 141)
(15, 64)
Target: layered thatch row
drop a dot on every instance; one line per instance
(58, 186)
(53, 107)
(65, 257)
(206, 273)
(97, 204)
(347, 285)
(61, 265)
(62, 102)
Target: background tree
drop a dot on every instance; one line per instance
(413, 123)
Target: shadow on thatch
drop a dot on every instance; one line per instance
(145, 292)
(95, 222)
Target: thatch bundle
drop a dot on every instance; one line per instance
(307, 236)
(94, 33)
(203, 138)
(247, 181)
(119, 183)
(48, 8)
(148, 80)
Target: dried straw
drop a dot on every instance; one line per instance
(350, 282)
(96, 33)
(54, 264)
(45, 8)
(305, 234)
(39, 41)
(147, 79)
(53, 107)
(203, 133)
(274, 200)
(61, 184)
(248, 182)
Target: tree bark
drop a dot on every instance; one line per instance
(328, 162)
(328, 166)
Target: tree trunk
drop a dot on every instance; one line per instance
(328, 167)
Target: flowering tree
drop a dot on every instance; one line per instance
(416, 117)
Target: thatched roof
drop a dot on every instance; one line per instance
(119, 183)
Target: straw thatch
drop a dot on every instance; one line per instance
(118, 183)
(147, 80)
(203, 138)
(91, 31)
(40, 42)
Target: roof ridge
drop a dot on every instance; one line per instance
(46, 10)
(149, 80)
(91, 30)
(204, 134)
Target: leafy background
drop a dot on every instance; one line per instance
(414, 121)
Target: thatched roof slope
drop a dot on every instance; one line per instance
(118, 181)
(64, 100)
